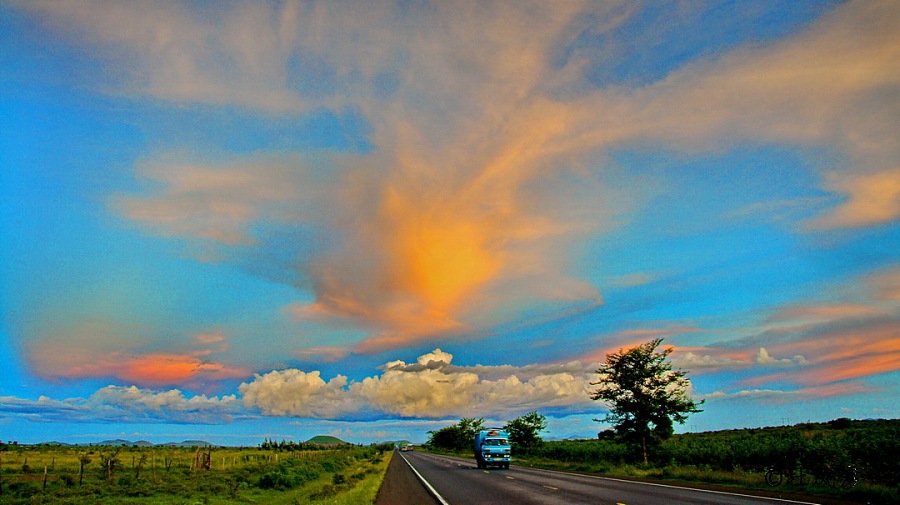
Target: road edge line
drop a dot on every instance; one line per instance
(428, 485)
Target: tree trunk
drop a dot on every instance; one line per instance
(644, 446)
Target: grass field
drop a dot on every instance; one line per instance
(348, 475)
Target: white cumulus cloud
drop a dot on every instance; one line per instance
(126, 404)
(296, 393)
(764, 358)
(429, 388)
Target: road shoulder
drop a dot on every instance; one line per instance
(401, 486)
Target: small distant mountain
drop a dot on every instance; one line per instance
(143, 443)
(326, 440)
(188, 443)
(573, 436)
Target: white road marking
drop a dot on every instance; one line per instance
(428, 485)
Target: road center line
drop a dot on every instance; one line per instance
(553, 488)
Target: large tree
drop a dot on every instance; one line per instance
(644, 394)
(524, 431)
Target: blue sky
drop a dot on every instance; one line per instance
(241, 220)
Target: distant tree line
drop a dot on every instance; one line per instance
(291, 446)
(524, 433)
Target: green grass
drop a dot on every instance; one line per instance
(349, 474)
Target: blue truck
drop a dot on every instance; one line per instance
(491, 448)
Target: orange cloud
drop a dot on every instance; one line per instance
(628, 339)
(447, 256)
(94, 350)
(863, 351)
(871, 199)
(167, 369)
(154, 369)
(480, 179)
(823, 313)
(841, 389)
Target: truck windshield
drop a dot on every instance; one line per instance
(495, 441)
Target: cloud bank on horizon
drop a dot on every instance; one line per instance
(261, 202)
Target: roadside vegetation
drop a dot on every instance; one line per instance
(274, 473)
(816, 455)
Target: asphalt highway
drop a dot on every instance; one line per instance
(458, 481)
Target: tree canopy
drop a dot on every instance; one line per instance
(644, 394)
(456, 437)
(524, 431)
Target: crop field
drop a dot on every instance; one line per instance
(188, 475)
(812, 458)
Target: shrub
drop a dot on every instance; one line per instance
(289, 474)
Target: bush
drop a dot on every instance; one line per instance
(22, 490)
(290, 474)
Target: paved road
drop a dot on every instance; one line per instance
(459, 482)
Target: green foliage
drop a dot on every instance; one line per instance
(290, 474)
(457, 437)
(818, 448)
(645, 396)
(325, 440)
(524, 431)
(166, 475)
(582, 451)
(317, 443)
(109, 463)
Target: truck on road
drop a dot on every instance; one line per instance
(491, 447)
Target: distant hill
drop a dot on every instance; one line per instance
(326, 440)
(188, 443)
(571, 436)
(143, 443)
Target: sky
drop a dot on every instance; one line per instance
(233, 221)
